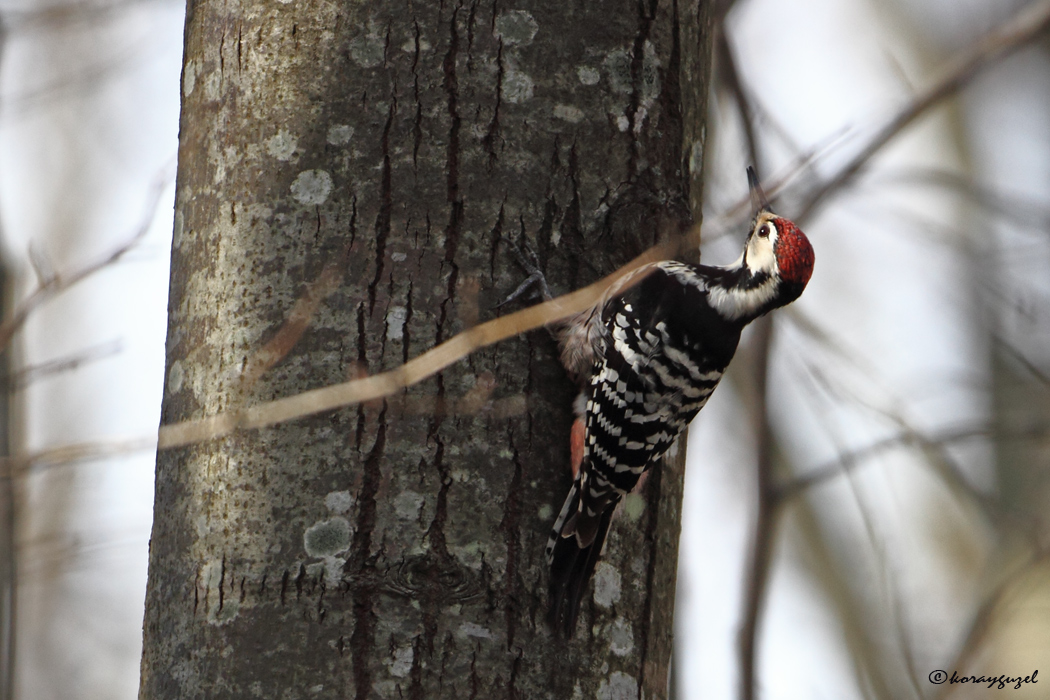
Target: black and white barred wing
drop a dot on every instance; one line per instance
(645, 388)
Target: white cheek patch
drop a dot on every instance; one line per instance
(760, 256)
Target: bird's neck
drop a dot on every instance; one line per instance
(741, 295)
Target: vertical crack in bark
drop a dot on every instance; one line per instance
(300, 578)
(361, 565)
(417, 124)
(451, 653)
(652, 539)
(436, 535)
(197, 592)
(471, 17)
(515, 669)
(495, 236)
(493, 133)
(455, 216)
(321, 611)
(415, 675)
(222, 55)
(362, 365)
(475, 682)
(452, 89)
(385, 206)
(672, 119)
(351, 229)
(572, 223)
(406, 338)
(645, 23)
(222, 584)
(510, 527)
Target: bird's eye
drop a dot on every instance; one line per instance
(763, 231)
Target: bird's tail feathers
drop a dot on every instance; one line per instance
(573, 551)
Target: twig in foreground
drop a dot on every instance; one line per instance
(415, 370)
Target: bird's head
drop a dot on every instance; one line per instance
(777, 248)
(774, 268)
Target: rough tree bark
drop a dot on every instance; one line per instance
(349, 175)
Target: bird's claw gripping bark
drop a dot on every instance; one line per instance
(526, 258)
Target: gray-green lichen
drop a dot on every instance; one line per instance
(327, 537)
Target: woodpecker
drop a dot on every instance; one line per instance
(648, 357)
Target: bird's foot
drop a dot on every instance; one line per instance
(536, 281)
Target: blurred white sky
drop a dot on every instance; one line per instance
(89, 118)
(894, 285)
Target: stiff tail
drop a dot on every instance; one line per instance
(572, 552)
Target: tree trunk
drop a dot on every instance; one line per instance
(349, 177)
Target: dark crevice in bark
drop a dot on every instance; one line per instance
(495, 237)
(321, 610)
(572, 224)
(386, 47)
(451, 243)
(415, 674)
(300, 578)
(417, 123)
(475, 682)
(672, 120)
(515, 669)
(510, 527)
(455, 216)
(222, 583)
(451, 653)
(197, 591)
(471, 17)
(492, 136)
(362, 365)
(285, 577)
(442, 559)
(385, 333)
(386, 206)
(546, 229)
(352, 225)
(361, 565)
(645, 23)
(222, 55)
(451, 84)
(652, 507)
(406, 334)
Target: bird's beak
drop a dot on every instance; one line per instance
(759, 203)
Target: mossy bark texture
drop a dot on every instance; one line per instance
(350, 175)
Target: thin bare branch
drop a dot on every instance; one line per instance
(57, 283)
(849, 461)
(13, 468)
(1028, 25)
(758, 566)
(28, 375)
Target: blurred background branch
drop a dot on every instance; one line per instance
(867, 494)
